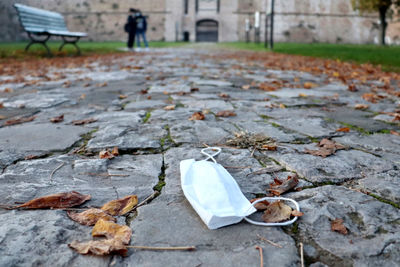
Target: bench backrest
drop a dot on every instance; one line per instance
(39, 20)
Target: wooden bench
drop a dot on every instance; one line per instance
(42, 23)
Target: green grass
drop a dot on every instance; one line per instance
(386, 56)
(16, 49)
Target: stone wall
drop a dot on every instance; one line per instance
(296, 21)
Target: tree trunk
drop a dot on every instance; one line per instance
(382, 17)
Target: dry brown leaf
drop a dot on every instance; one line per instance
(115, 151)
(19, 120)
(282, 105)
(296, 213)
(337, 225)
(267, 87)
(122, 96)
(2, 117)
(246, 87)
(194, 90)
(8, 90)
(394, 133)
(199, 116)
(102, 84)
(100, 248)
(326, 148)
(279, 187)
(57, 201)
(57, 119)
(224, 95)
(309, 85)
(352, 88)
(270, 147)
(226, 113)
(361, 106)
(370, 97)
(170, 107)
(277, 212)
(120, 206)
(112, 230)
(344, 129)
(105, 154)
(144, 91)
(302, 95)
(1, 105)
(90, 217)
(263, 205)
(85, 121)
(148, 97)
(82, 97)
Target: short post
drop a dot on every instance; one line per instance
(257, 27)
(271, 37)
(266, 30)
(247, 29)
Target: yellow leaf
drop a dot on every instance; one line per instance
(120, 206)
(112, 231)
(90, 217)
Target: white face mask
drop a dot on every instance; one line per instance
(215, 195)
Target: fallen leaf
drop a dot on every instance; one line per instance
(226, 113)
(105, 154)
(170, 107)
(8, 90)
(19, 121)
(246, 87)
(194, 90)
(267, 87)
(115, 151)
(352, 88)
(344, 129)
(82, 97)
(224, 95)
(270, 147)
(57, 201)
(112, 230)
(57, 119)
(1, 105)
(361, 106)
(30, 157)
(337, 225)
(122, 96)
(120, 206)
(277, 212)
(67, 84)
(278, 187)
(100, 248)
(144, 91)
(199, 116)
(85, 121)
(263, 205)
(309, 85)
(370, 97)
(302, 95)
(394, 133)
(148, 97)
(326, 148)
(297, 213)
(90, 217)
(282, 106)
(102, 84)
(2, 117)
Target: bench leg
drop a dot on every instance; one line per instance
(73, 42)
(35, 41)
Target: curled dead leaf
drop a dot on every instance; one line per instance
(122, 96)
(296, 213)
(326, 148)
(263, 205)
(277, 212)
(170, 107)
(105, 154)
(344, 130)
(337, 226)
(8, 90)
(90, 217)
(112, 230)
(394, 133)
(57, 201)
(115, 151)
(361, 106)
(57, 119)
(19, 120)
(197, 116)
(309, 85)
(194, 90)
(246, 87)
(100, 248)
(226, 113)
(1, 105)
(278, 187)
(224, 95)
(352, 88)
(82, 122)
(120, 206)
(267, 87)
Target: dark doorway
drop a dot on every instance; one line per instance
(207, 31)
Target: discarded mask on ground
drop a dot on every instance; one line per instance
(216, 196)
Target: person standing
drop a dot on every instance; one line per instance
(130, 28)
(141, 28)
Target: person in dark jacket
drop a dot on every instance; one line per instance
(141, 28)
(130, 28)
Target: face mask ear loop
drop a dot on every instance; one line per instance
(216, 151)
(274, 224)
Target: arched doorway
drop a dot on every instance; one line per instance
(207, 31)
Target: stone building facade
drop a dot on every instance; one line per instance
(332, 21)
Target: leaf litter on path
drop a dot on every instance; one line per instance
(255, 141)
(120, 206)
(90, 217)
(326, 148)
(278, 187)
(56, 201)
